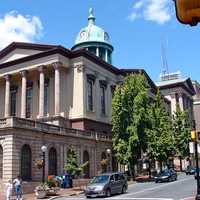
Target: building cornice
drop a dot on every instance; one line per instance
(57, 49)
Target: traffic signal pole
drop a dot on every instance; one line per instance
(195, 137)
(197, 169)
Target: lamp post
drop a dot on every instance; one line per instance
(108, 151)
(44, 149)
(194, 137)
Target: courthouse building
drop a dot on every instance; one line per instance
(179, 91)
(53, 96)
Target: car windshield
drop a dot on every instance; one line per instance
(164, 173)
(100, 179)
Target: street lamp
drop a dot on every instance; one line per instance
(44, 149)
(108, 151)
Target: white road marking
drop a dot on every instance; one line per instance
(127, 198)
(149, 189)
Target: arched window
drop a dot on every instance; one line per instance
(87, 168)
(1, 162)
(26, 162)
(52, 161)
(103, 155)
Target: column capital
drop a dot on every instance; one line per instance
(57, 65)
(24, 73)
(7, 77)
(41, 68)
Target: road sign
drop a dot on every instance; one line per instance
(191, 146)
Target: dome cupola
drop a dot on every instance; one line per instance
(94, 39)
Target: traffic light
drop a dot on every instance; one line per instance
(188, 11)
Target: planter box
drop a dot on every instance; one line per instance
(52, 191)
(40, 194)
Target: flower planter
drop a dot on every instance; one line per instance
(52, 191)
(40, 194)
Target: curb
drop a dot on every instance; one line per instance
(72, 194)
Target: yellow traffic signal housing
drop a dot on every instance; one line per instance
(188, 11)
(193, 135)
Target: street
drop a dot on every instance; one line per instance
(183, 188)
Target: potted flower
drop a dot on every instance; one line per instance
(41, 191)
(39, 164)
(52, 185)
(104, 164)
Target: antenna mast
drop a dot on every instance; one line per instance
(165, 68)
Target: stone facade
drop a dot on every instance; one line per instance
(179, 91)
(15, 133)
(59, 98)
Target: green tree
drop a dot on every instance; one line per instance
(130, 119)
(182, 127)
(72, 166)
(160, 135)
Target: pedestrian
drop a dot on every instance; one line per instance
(18, 188)
(9, 187)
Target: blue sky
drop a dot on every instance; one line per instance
(137, 29)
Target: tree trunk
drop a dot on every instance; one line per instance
(160, 166)
(149, 169)
(181, 168)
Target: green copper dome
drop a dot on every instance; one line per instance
(92, 33)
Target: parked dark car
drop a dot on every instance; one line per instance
(106, 185)
(195, 174)
(190, 170)
(166, 176)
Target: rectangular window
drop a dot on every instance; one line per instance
(46, 103)
(90, 94)
(103, 102)
(29, 96)
(13, 101)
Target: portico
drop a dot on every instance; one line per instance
(40, 70)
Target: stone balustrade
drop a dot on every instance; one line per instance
(15, 122)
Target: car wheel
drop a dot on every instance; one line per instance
(108, 193)
(88, 197)
(123, 189)
(156, 181)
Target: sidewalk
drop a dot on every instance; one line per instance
(63, 192)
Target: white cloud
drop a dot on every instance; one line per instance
(158, 11)
(19, 28)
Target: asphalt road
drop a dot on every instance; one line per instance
(181, 189)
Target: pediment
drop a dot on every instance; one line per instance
(18, 50)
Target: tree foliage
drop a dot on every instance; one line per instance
(130, 118)
(72, 166)
(182, 130)
(160, 136)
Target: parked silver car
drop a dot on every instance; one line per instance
(107, 185)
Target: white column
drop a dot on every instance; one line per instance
(106, 55)
(23, 94)
(181, 102)
(41, 91)
(7, 96)
(97, 51)
(57, 88)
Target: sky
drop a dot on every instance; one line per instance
(138, 29)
